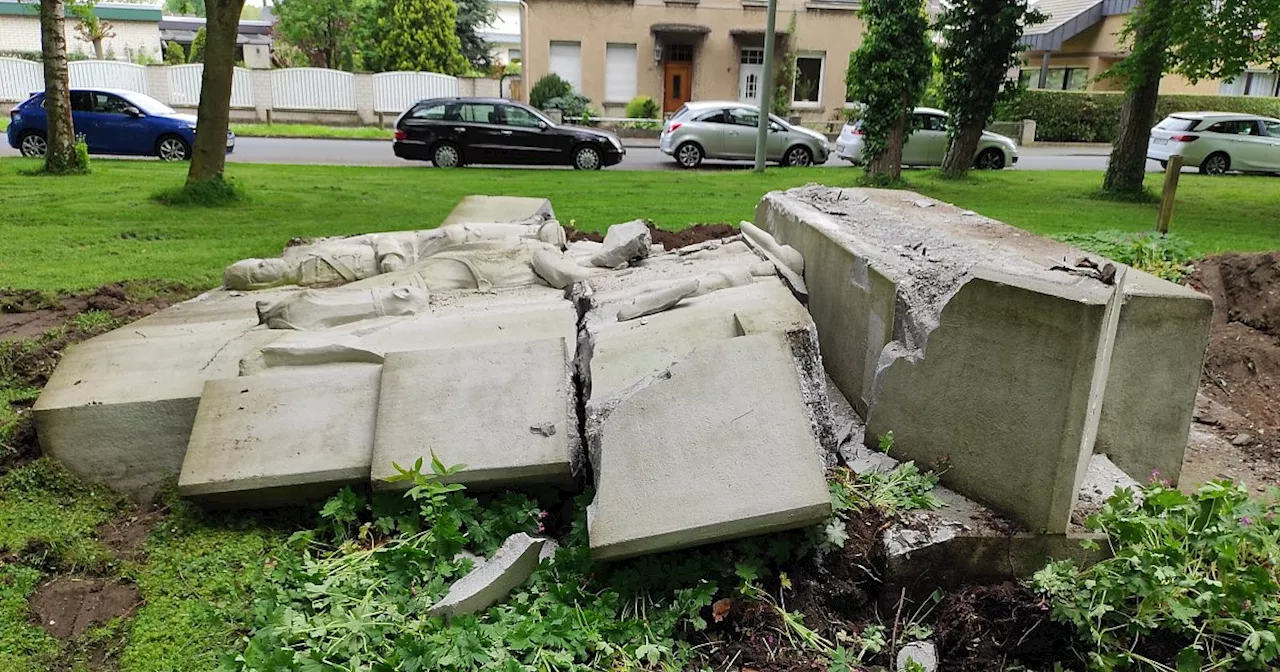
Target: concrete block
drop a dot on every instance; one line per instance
(119, 408)
(506, 411)
(924, 654)
(491, 581)
(1155, 371)
(719, 447)
(282, 438)
(498, 209)
(1003, 393)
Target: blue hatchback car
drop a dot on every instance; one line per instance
(112, 122)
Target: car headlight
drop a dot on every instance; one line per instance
(192, 127)
(613, 140)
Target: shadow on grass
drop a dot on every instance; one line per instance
(214, 193)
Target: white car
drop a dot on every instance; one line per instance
(927, 145)
(1218, 142)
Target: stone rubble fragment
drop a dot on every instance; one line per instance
(657, 300)
(624, 244)
(924, 654)
(491, 581)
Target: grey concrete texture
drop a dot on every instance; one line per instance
(490, 581)
(119, 407)
(282, 438)
(958, 333)
(624, 243)
(498, 209)
(734, 454)
(507, 412)
(924, 654)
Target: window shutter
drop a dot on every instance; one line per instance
(619, 73)
(566, 61)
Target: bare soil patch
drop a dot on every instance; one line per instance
(669, 240)
(26, 313)
(67, 606)
(989, 627)
(1240, 385)
(126, 534)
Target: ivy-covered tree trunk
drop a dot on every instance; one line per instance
(60, 155)
(209, 156)
(888, 163)
(964, 144)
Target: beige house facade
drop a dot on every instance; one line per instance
(1082, 40)
(675, 51)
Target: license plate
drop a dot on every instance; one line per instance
(1162, 141)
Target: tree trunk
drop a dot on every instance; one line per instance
(889, 162)
(209, 156)
(959, 157)
(60, 156)
(1128, 165)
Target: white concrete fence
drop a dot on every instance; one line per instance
(291, 95)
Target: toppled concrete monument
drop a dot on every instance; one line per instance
(1000, 352)
(686, 381)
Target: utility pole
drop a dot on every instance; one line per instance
(766, 90)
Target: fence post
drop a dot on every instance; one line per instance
(1171, 175)
(364, 98)
(263, 99)
(1028, 135)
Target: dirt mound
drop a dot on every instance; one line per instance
(985, 627)
(126, 534)
(669, 240)
(68, 606)
(1242, 368)
(26, 313)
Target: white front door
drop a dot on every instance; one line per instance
(750, 76)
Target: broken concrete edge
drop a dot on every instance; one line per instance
(779, 521)
(793, 280)
(557, 475)
(596, 413)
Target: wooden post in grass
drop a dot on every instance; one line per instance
(1171, 174)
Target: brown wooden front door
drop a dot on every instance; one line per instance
(677, 81)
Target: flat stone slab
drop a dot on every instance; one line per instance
(498, 209)
(491, 581)
(720, 447)
(506, 411)
(284, 437)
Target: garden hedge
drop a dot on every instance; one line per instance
(1077, 116)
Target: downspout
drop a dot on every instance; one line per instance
(526, 82)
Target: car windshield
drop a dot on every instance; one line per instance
(1176, 124)
(147, 104)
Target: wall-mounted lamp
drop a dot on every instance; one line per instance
(657, 52)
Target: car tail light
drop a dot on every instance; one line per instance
(1184, 138)
(674, 125)
(13, 115)
(401, 135)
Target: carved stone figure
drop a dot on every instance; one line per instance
(343, 260)
(320, 309)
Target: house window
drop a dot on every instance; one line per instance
(751, 57)
(1059, 79)
(808, 84)
(752, 88)
(566, 61)
(619, 72)
(1261, 84)
(513, 55)
(680, 53)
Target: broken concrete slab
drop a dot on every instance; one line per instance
(473, 208)
(119, 408)
(505, 411)
(491, 581)
(623, 244)
(734, 454)
(282, 438)
(883, 274)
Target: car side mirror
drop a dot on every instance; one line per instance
(774, 127)
(542, 125)
(133, 111)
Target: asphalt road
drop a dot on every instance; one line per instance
(378, 153)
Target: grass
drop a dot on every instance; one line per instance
(104, 227)
(311, 131)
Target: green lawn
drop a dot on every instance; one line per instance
(79, 232)
(311, 131)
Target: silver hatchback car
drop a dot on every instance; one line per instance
(727, 130)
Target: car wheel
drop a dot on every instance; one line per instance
(689, 155)
(33, 145)
(446, 155)
(797, 157)
(586, 157)
(1216, 163)
(990, 159)
(173, 148)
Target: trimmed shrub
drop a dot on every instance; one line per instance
(549, 87)
(1077, 116)
(174, 54)
(642, 107)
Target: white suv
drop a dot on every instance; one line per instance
(1218, 142)
(928, 143)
